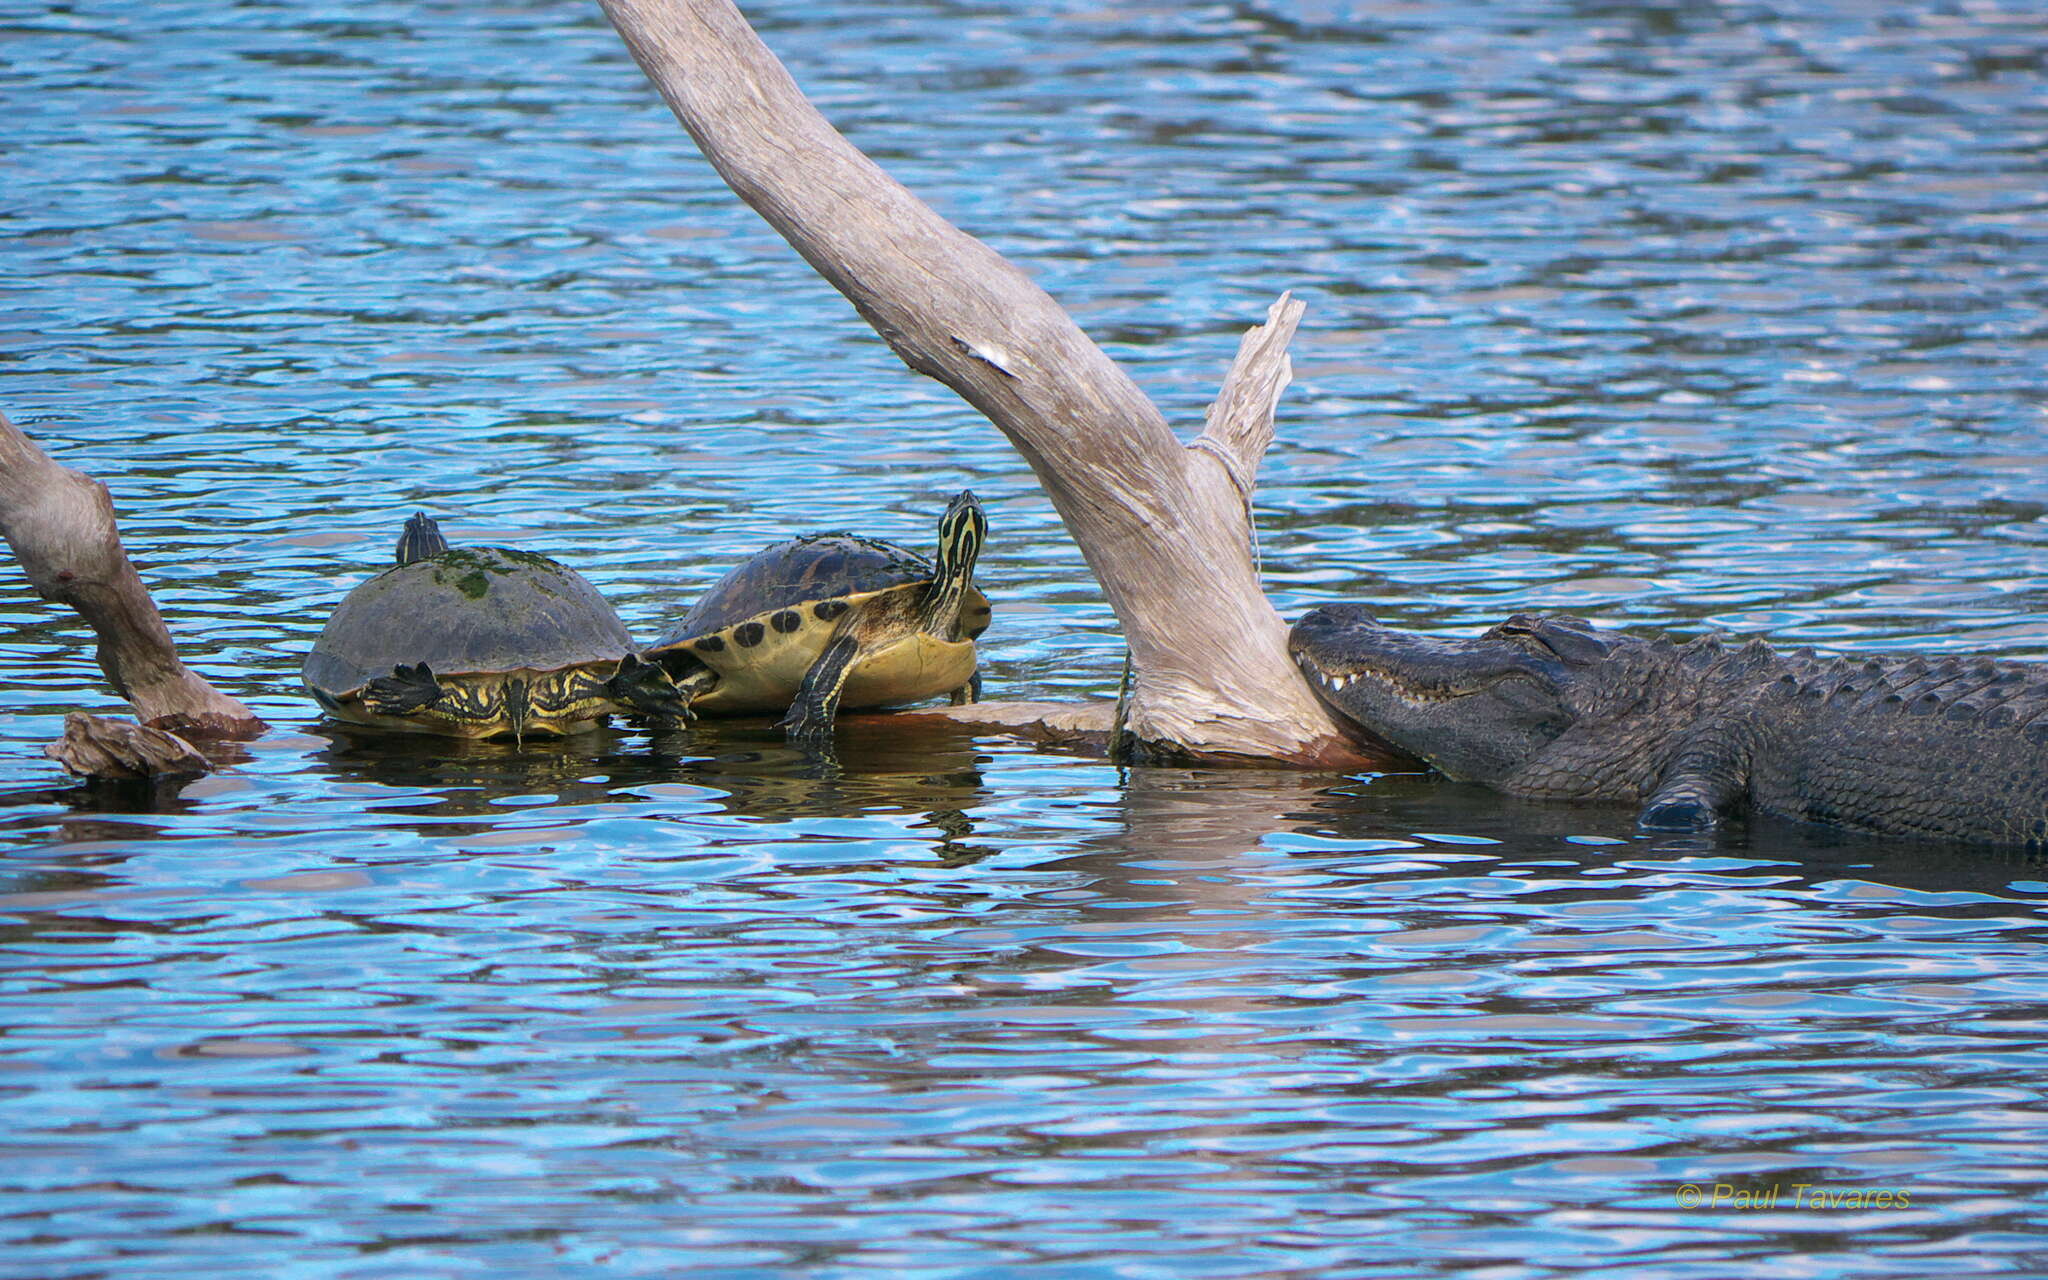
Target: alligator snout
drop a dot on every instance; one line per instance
(1328, 621)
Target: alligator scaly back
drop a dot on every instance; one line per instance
(1947, 747)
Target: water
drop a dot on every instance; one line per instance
(1677, 315)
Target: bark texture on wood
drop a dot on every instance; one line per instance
(60, 524)
(1164, 526)
(95, 747)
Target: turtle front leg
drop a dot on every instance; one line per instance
(817, 700)
(649, 690)
(404, 691)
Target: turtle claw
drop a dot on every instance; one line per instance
(809, 731)
(649, 690)
(404, 691)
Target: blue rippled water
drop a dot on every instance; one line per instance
(1675, 314)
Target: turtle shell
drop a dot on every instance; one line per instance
(762, 625)
(466, 611)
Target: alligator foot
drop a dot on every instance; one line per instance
(1679, 814)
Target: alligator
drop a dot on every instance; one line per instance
(1931, 746)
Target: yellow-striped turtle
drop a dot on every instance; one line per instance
(832, 619)
(476, 642)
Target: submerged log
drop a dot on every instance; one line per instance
(60, 524)
(1164, 526)
(95, 747)
(1089, 728)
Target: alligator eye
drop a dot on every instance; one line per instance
(1573, 639)
(1521, 624)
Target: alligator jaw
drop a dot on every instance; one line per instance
(1319, 677)
(1335, 682)
(1477, 709)
(1328, 685)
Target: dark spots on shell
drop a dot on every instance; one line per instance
(711, 644)
(749, 634)
(786, 620)
(826, 610)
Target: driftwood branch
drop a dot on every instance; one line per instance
(95, 747)
(60, 524)
(1240, 423)
(1164, 526)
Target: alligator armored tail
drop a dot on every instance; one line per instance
(1952, 748)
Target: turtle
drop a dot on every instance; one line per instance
(476, 642)
(832, 619)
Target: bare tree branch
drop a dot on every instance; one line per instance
(1163, 526)
(60, 524)
(1240, 423)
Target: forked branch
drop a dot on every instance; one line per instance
(1164, 526)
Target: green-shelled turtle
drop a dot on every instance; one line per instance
(476, 642)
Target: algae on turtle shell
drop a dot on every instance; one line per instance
(479, 642)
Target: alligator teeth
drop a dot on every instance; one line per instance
(1323, 677)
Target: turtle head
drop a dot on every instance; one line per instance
(962, 530)
(1478, 709)
(421, 539)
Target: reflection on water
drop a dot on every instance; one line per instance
(746, 1007)
(1676, 315)
(745, 772)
